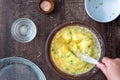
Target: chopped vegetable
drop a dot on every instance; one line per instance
(101, 4)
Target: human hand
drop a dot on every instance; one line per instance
(110, 67)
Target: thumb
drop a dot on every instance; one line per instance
(102, 67)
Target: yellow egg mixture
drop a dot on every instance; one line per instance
(74, 39)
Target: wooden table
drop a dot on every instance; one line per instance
(65, 10)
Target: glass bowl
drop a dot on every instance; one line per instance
(17, 68)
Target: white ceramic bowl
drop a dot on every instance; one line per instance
(103, 10)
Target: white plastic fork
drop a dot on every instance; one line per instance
(87, 58)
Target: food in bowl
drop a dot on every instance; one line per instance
(74, 39)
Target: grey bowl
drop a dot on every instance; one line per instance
(17, 68)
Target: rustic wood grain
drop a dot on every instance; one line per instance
(65, 10)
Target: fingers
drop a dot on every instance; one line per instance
(102, 67)
(108, 62)
(117, 59)
(105, 60)
(107, 66)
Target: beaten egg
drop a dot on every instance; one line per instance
(74, 39)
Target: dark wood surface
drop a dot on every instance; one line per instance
(65, 10)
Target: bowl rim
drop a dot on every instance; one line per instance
(52, 65)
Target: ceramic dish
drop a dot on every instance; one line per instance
(103, 10)
(49, 57)
(17, 68)
(46, 6)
